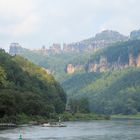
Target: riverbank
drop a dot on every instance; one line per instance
(35, 120)
(136, 116)
(83, 117)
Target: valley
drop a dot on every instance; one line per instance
(105, 76)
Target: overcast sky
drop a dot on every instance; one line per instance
(34, 23)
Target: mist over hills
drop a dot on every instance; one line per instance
(104, 69)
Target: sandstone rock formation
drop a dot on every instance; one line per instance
(92, 67)
(131, 60)
(15, 49)
(70, 69)
(138, 61)
(103, 65)
(135, 34)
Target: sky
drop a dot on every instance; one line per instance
(34, 23)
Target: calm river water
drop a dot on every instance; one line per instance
(93, 130)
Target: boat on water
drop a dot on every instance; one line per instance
(54, 124)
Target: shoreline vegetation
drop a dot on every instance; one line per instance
(23, 119)
(35, 120)
(120, 116)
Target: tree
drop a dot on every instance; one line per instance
(2, 77)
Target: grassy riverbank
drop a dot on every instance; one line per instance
(136, 116)
(24, 119)
(83, 117)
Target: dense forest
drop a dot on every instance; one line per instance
(116, 92)
(111, 92)
(27, 89)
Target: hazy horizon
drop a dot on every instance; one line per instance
(33, 23)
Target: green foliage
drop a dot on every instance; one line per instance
(120, 116)
(2, 77)
(79, 81)
(116, 92)
(79, 105)
(83, 117)
(56, 62)
(27, 88)
(118, 51)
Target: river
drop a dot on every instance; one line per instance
(91, 130)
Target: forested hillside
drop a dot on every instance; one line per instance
(109, 93)
(112, 91)
(27, 89)
(56, 59)
(119, 52)
(108, 84)
(56, 63)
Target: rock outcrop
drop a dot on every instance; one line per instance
(15, 49)
(132, 62)
(103, 65)
(135, 34)
(138, 61)
(101, 40)
(92, 67)
(70, 69)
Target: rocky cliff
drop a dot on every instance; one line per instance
(135, 34)
(70, 69)
(15, 49)
(102, 65)
(101, 40)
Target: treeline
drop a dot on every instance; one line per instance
(116, 92)
(79, 106)
(113, 92)
(27, 89)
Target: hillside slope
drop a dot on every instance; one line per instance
(116, 92)
(56, 64)
(117, 89)
(27, 88)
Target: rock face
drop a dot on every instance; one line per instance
(92, 67)
(138, 61)
(70, 69)
(55, 48)
(101, 40)
(103, 66)
(15, 49)
(135, 34)
(132, 62)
